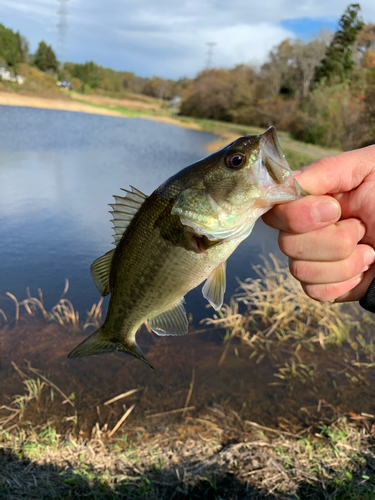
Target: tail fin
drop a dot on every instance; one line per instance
(99, 342)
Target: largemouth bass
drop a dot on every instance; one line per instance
(182, 234)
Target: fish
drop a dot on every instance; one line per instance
(168, 243)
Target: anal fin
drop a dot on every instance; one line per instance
(173, 321)
(214, 288)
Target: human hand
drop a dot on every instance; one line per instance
(329, 237)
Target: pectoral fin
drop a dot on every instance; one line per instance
(173, 321)
(214, 288)
(100, 270)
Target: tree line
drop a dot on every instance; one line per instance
(85, 78)
(322, 91)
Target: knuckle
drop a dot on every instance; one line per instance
(288, 245)
(320, 293)
(300, 269)
(351, 267)
(346, 242)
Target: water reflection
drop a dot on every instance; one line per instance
(58, 172)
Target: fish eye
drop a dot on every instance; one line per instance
(235, 160)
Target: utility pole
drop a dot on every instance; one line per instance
(209, 54)
(62, 27)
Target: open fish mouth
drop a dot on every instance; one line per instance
(274, 173)
(273, 156)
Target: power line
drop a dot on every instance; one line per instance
(210, 53)
(62, 27)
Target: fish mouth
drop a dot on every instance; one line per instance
(277, 176)
(273, 156)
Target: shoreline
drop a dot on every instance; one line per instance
(13, 99)
(10, 99)
(298, 154)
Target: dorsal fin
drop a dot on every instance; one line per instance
(214, 288)
(124, 210)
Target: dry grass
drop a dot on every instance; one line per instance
(215, 455)
(62, 313)
(136, 449)
(278, 314)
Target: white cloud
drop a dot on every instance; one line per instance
(167, 37)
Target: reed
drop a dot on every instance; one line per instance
(278, 311)
(195, 450)
(62, 313)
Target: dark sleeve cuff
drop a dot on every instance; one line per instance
(368, 301)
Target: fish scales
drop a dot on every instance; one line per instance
(182, 234)
(169, 267)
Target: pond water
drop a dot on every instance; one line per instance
(58, 172)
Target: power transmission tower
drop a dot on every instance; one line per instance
(62, 27)
(209, 54)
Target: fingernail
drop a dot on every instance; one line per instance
(361, 228)
(326, 211)
(369, 257)
(297, 172)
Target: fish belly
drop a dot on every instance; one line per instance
(152, 278)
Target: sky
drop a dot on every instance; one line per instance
(169, 38)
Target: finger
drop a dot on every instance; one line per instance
(304, 215)
(332, 243)
(333, 272)
(358, 291)
(332, 291)
(339, 173)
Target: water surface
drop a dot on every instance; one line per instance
(58, 172)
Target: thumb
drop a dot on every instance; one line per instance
(339, 173)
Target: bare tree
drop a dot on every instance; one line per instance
(306, 58)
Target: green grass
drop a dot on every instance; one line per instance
(298, 154)
(298, 159)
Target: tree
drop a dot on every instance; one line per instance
(10, 47)
(220, 94)
(45, 58)
(276, 73)
(307, 57)
(89, 73)
(338, 62)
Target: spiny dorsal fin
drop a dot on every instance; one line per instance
(100, 270)
(214, 288)
(124, 210)
(173, 321)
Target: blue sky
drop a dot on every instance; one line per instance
(168, 37)
(306, 28)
